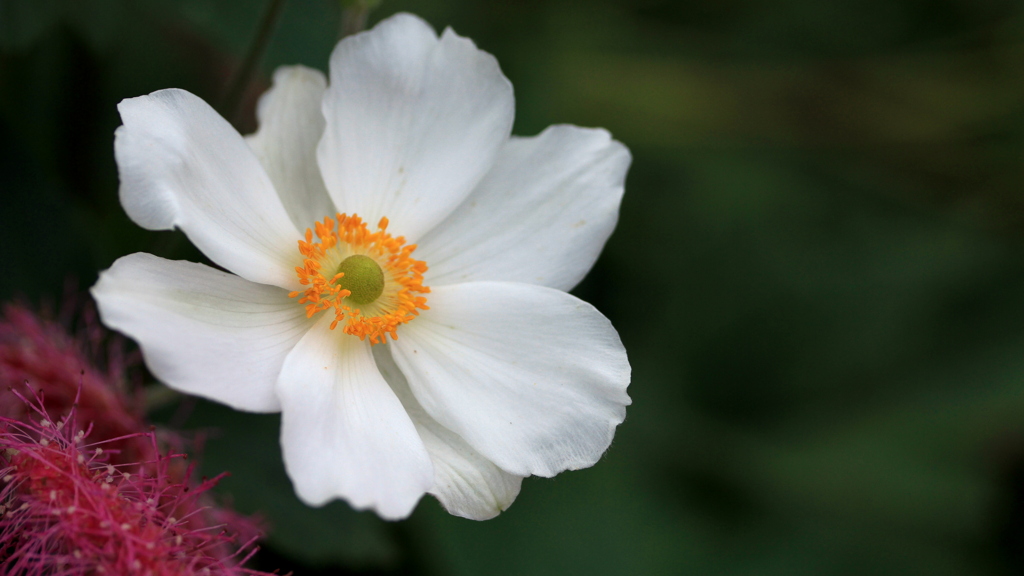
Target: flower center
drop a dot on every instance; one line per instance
(362, 277)
(377, 285)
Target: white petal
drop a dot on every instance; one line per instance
(466, 483)
(203, 331)
(531, 377)
(540, 216)
(291, 124)
(413, 123)
(182, 165)
(344, 433)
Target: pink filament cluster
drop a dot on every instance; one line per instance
(86, 486)
(66, 509)
(89, 366)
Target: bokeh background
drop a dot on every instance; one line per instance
(818, 272)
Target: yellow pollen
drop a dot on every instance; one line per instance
(348, 247)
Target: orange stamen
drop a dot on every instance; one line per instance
(401, 300)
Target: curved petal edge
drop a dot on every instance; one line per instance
(291, 125)
(182, 165)
(414, 121)
(541, 215)
(465, 483)
(344, 433)
(532, 378)
(203, 331)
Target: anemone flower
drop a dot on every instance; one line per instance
(398, 268)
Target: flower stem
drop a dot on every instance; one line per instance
(353, 16)
(232, 102)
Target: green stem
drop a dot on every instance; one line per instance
(353, 16)
(353, 20)
(232, 103)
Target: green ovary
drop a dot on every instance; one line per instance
(362, 277)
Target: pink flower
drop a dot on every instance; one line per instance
(66, 509)
(115, 505)
(90, 366)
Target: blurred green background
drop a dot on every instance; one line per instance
(818, 272)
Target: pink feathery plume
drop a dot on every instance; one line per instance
(66, 509)
(65, 504)
(90, 366)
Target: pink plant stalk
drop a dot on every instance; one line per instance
(65, 509)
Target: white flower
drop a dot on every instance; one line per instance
(388, 389)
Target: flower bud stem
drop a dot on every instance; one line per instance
(232, 102)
